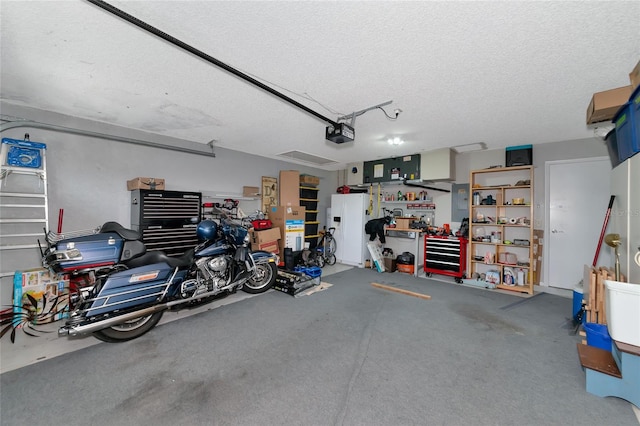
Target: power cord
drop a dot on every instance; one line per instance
(397, 111)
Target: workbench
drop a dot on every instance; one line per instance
(400, 240)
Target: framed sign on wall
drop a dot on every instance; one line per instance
(269, 193)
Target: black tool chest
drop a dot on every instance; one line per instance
(167, 220)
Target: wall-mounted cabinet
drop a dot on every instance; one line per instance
(438, 165)
(392, 169)
(501, 231)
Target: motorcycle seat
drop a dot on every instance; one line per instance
(155, 256)
(127, 234)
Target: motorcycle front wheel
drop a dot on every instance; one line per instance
(128, 330)
(262, 279)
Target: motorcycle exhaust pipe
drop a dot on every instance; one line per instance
(78, 330)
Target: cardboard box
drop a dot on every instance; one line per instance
(289, 188)
(604, 105)
(389, 264)
(290, 220)
(309, 180)
(634, 76)
(266, 240)
(404, 222)
(536, 268)
(250, 191)
(41, 285)
(145, 183)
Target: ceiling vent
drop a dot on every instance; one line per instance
(307, 158)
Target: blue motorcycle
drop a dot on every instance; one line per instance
(126, 289)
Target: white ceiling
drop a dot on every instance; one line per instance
(503, 73)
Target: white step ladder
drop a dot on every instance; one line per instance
(24, 209)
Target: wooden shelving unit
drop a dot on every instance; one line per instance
(501, 232)
(309, 200)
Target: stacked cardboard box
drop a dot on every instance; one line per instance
(267, 240)
(604, 105)
(290, 219)
(289, 188)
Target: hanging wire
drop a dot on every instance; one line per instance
(388, 116)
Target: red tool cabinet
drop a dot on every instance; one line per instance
(445, 256)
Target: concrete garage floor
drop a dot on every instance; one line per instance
(352, 354)
(29, 350)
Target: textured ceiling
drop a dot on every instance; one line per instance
(503, 73)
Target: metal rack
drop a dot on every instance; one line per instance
(24, 208)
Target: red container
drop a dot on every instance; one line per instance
(261, 224)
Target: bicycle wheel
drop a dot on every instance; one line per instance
(330, 259)
(330, 246)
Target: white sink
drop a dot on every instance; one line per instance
(622, 304)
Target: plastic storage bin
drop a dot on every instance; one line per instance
(598, 335)
(627, 121)
(612, 147)
(306, 192)
(309, 204)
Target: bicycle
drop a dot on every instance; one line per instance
(326, 248)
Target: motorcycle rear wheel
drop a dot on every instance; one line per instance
(128, 330)
(263, 278)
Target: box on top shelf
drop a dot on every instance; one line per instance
(521, 155)
(289, 188)
(309, 180)
(250, 191)
(145, 183)
(627, 121)
(604, 105)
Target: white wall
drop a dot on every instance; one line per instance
(87, 176)
(625, 215)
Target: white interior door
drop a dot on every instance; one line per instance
(577, 197)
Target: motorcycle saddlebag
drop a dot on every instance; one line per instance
(261, 224)
(90, 251)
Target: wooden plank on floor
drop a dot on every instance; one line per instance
(399, 290)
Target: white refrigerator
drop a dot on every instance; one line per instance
(348, 216)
